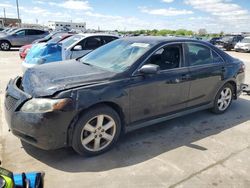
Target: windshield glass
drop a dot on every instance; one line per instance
(71, 40)
(116, 56)
(11, 31)
(227, 38)
(246, 40)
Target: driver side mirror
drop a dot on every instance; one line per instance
(149, 69)
(77, 48)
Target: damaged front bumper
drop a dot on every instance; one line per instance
(46, 130)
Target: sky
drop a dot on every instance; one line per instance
(213, 15)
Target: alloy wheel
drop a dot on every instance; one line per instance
(224, 99)
(5, 46)
(98, 133)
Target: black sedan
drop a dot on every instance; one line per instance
(125, 85)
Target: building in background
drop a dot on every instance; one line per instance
(9, 22)
(66, 25)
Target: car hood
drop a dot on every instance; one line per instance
(2, 35)
(45, 80)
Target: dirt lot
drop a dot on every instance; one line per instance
(198, 150)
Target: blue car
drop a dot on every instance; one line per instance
(42, 53)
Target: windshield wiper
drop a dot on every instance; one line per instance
(86, 64)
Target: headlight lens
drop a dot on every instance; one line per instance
(45, 105)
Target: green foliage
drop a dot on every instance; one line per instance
(163, 32)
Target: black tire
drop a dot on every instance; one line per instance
(5, 45)
(87, 118)
(216, 109)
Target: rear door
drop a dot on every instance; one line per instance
(207, 71)
(87, 45)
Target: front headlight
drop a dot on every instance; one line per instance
(45, 105)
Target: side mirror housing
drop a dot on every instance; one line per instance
(149, 69)
(77, 48)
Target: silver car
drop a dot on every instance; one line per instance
(81, 44)
(20, 37)
(243, 46)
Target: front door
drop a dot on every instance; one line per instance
(163, 93)
(87, 45)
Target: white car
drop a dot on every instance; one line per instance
(71, 48)
(243, 45)
(81, 44)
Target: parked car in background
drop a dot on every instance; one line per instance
(243, 46)
(73, 47)
(20, 37)
(228, 42)
(215, 40)
(127, 84)
(44, 52)
(51, 35)
(1, 29)
(58, 36)
(81, 44)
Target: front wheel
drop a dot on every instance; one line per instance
(223, 99)
(5, 45)
(96, 131)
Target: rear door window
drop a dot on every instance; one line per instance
(34, 32)
(198, 55)
(217, 58)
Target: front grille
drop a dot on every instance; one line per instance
(10, 102)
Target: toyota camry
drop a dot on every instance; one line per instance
(127, 84)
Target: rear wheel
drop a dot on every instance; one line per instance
(223, 99)
(96, 131)
(5, 45)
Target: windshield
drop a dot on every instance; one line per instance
(71, 40)
(116, 56)
(227, 38)
(11, 31)
(246, 40)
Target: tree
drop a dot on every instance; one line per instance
(202, 32)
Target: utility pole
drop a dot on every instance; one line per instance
(18, 16)
(4, 17)
(4, 14)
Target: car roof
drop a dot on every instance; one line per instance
(154, 40)
(17, 29)
(97, 34)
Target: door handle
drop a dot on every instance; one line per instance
(223, 69)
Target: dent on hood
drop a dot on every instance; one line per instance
(46, 80)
